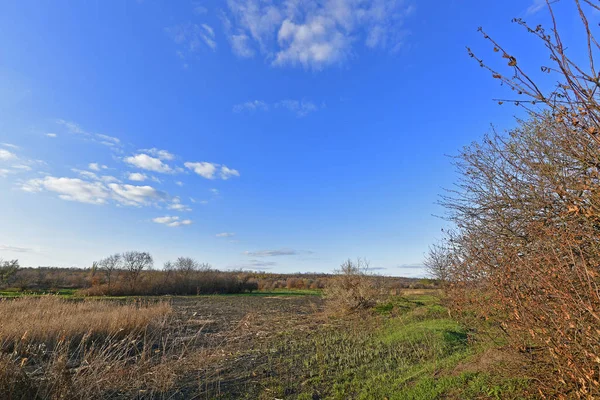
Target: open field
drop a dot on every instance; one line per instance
(260, 346)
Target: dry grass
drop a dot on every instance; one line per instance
(55, 348)
(49, 318)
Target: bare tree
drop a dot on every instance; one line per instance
(438, 261)
(134, 262)
(186, 266)
(111, 266)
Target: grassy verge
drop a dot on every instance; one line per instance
(408, 348)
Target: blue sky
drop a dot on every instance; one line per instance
(280, 136)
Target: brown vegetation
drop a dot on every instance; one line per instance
(525, 252)
(48, 318)
(352, 288)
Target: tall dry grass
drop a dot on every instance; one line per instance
(50, 318)
(51, 348)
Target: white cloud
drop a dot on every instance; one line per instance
(21, 167)
(10, 146)
(72, 189)
(254, 105)
(209, 170)
(6, 155)
(86, 174)
(4, 172)
(179, 207)
(137, 177)
(172, 221)
(97, 192)
(51, 135)
(313, 33)
(316, 43)
(214, 191)
(204, 169)
(179, 183)
(161, 154)
(227, 173)
(225, 234)
(136, 195)
(108, 179)
(96, 166)
(146, 162)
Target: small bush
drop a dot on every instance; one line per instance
(352, 288)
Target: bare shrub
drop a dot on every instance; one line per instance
(352, 288)
(525, 250)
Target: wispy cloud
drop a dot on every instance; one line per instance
(178, 206)
(191, 38)
(6, 155)
(76, 129)
(254, 265)
(15, 249)
(276, 253)
(161, 154)
(51, 135)
(300, 108)
(251, 106)
(96, 167)
(172, 221)
(313, 34)
(211, 170)
(535, 7)
(225, 234)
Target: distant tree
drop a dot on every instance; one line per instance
(187, 265)
(134, 262)
(110, 266)
(8, 269)
(438, 262)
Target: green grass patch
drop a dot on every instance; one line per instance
(13, 292)
(408, 348)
